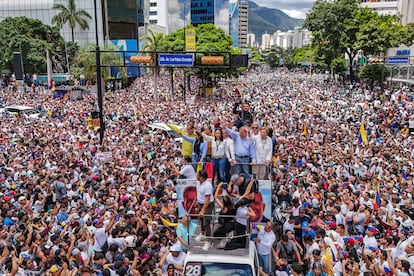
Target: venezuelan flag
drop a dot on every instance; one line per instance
(305, 130)
(362, 134)
(377, 202)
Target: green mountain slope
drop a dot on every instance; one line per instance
(262, 20)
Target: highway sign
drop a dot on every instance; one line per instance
(176, 60)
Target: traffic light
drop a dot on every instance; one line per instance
(141, 59)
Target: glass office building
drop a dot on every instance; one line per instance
(202, 12)
(122, 19)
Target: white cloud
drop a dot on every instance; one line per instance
(294, 8)
(296, 13)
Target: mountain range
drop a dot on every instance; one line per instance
(266, 20)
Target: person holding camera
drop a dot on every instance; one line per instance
(244, 116)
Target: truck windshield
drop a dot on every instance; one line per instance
(217, 269)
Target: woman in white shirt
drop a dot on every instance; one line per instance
(243, 213)
(218, 154)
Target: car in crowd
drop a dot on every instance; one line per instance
(21, 110)
(165, 130)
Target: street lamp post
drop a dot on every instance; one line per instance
(99, 77)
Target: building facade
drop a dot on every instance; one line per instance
(202, 12)
(296, 38)
(403, 8)
(239, 22)
(43, 11)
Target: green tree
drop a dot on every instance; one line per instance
(69, 14)
(85, 60)
(329, 23)
(209, 39)
(378, 33)
(338, 66)
(153, 44)
(372, 73)
(32, 37)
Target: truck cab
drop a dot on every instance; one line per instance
(219, 262)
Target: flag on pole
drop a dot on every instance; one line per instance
(362, 134)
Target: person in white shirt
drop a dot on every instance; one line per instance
(187, 170)
(205, 200)
(289, 224)
(264, 243)
(174, 256)
(218, 155)
(264, 152)
(230, 155)
(369, 239)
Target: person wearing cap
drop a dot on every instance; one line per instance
(299, 220)
(101, 234)
(369, 238)
(171, 271)
(173, 256)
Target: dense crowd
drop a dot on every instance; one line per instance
(340, 158)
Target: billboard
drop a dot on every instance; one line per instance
(190, 40)
(128, 45)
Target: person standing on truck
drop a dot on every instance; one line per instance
(205, 202)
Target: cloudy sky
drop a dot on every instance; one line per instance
(294, 8)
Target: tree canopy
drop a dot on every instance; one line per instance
(85, 60)
(341, 26)
(70, 14)
(33, 38)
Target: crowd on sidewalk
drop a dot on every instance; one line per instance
(342, 170)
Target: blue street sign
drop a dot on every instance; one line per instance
(183, 60)
(398, 60)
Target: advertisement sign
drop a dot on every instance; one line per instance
(190, 40)
(262, 204)
(187, 199)
(398, 60)
(186, 196)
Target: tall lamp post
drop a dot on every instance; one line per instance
(99, 77)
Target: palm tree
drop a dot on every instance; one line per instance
(154, 43)
(71, 15)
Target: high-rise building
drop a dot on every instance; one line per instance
(251, 39)
(210, 11)
(267, 41)
(244, 22)
(202, 12)
(158, 13)
(239, 18)
(385, 7)
(406, 10)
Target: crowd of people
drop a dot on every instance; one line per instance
(340, 158)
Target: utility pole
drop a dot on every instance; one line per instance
(99, 77)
